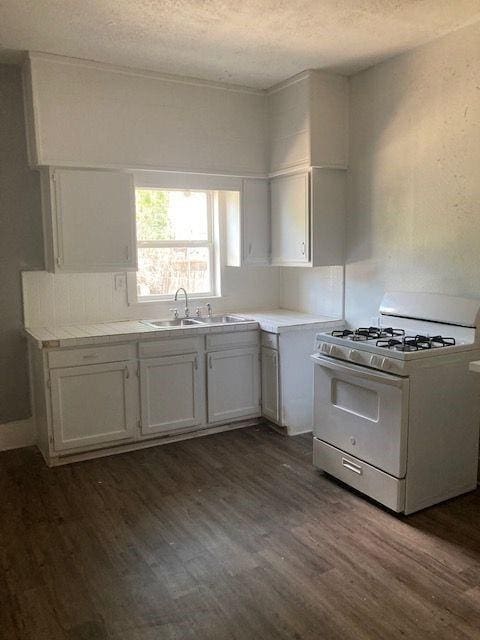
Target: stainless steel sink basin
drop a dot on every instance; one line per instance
(176, 322)
(223, 319)
(195, 322)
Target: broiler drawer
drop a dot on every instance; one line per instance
(377, 484)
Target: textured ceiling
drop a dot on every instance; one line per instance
(250, 42)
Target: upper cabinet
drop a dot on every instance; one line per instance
(89, 220)
(308, 122)
(308, 218)
(256, 222)
(247, 217)
(290, 219)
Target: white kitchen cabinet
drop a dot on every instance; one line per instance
(308, 218)
(290, 217)
(171, 393)
(233, 379)
(256, 222)
(93, 404)
(89, 220)
(308, 122)
(96, 399)
(270, 385)
(247, 222)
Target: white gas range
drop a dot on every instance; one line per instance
(396, 411)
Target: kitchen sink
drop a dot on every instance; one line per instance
(223, 319)
(176, 322)
(195, 322)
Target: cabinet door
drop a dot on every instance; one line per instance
(233, 384)
(94, 221)
(270, 385)
(94, 404)
(256, 222)
(171, 396)
(290, 219)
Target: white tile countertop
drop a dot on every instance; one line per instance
(275, 321)
(283, 320)
(111, 332)
(475, 366)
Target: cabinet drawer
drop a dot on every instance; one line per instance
(269, 340)
(91, 355)
(170, 346)
(378, 485)
(234, 339)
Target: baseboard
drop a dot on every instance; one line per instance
(17, 434)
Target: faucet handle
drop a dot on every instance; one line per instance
(209, 309)
(175, 313)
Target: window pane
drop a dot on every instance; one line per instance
(163, 271)
(171, 215)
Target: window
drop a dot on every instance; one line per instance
(175, 242)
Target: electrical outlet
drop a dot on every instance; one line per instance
(120, 281)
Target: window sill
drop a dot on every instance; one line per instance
(144, 303)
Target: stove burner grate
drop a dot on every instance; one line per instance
(368, 333)
(415, 343)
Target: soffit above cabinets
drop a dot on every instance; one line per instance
(83, 114)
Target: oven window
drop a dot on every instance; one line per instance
(354, 399)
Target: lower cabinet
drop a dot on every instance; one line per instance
(140, 390)
(270, 385)
(171, 393)
(233, 378)
(93, 404)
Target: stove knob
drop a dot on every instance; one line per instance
(325, 348)
(354, 355)
(373, 361)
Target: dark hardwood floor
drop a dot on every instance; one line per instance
(231, 536)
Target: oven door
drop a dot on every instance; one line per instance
(363, 412)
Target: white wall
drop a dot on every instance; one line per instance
(92, 115)
(414, 180)
(59, 299)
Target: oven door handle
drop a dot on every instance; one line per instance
(359, 371)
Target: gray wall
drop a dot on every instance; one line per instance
(21, 245)
(414, 192)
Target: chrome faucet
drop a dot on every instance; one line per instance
(187, 311)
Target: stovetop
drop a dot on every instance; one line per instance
(394, 339)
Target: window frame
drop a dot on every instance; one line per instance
(209, 244)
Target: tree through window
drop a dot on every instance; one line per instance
(175, 242)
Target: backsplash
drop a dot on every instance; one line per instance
(318, 291)
(80, 298)
(58, 299)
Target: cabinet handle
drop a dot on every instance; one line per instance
(249, 248)
(210, 362)
(127, 372)
(127, 252)
(195, 363)
(90, 356)
(351, 466)
(303, 248)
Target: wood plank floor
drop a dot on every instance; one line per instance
(232, 536)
